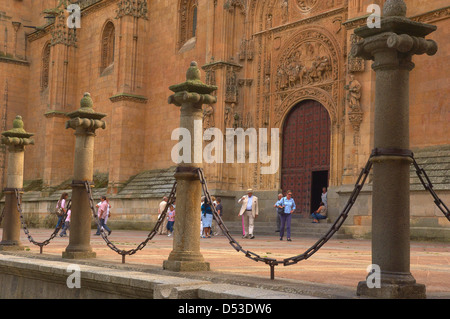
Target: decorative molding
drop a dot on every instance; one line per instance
(134, 8)
(87, 7)
(306, 21)
(231, 5)
(61, 34)
(129, 97)
(427, 17)
(55, 113)
(5, 59)
(309, 93)
(432, 16)
(247, 50)
(355, 64)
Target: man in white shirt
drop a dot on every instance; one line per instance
(163, 227)
(249, 210)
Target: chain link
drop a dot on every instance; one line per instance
(152, 234)
(309, 252)
(249, 254)
(25, 228)
(429, 187)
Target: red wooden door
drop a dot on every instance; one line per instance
(306, 149)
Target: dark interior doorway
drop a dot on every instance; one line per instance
(319, 180)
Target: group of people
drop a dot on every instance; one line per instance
(285, 207)
(103, 214)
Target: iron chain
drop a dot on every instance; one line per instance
(25, 228)
(113, 247)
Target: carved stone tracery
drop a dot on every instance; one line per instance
(134, 8)
(310, 60)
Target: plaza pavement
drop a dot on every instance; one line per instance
(333, 272)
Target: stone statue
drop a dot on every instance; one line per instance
(354, 93)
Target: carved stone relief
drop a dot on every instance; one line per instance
(61, 34)
(246, 50)
(208, 116)
(306, 5)
(311, 60)
(134, 8)
(355, 64)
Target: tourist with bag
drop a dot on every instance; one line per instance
(61, 208)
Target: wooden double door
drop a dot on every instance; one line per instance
(306, 154)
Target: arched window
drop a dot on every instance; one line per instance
(108, 41)
(45, 67)
(188, 21)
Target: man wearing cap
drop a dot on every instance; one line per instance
(249, 210)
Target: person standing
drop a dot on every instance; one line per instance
(62, 204)
(289, 207)
(162, 230)
(249, 210)
(219, 209)
(170, 220)
(324, 197)
(279, 210)
(207, 217)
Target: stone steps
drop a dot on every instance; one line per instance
(156, 183)
(299, 228)
(436, 163)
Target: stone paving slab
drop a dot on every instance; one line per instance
(333, 272)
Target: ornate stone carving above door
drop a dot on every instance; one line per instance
(310, 59)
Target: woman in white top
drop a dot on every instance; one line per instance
(62, 204)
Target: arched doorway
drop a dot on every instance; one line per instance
(306, 154)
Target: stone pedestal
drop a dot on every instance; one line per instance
(392, 47)
(190, 96)
(16, 139)
(85, 122)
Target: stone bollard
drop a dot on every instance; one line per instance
(85, 121)
(16, 139)
(190, 96)
(391, 47)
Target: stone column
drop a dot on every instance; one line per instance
(85, 122)
(190, 96)
(16, 139)
(392, 47)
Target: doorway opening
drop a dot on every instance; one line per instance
(319, 180)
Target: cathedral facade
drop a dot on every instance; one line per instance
(278, 64)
